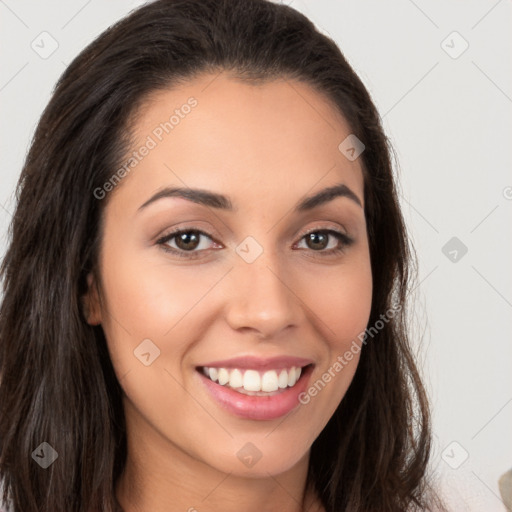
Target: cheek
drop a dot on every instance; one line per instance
(150, 300)
(342, 300)
(342, 304)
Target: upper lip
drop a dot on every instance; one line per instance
(259, 363)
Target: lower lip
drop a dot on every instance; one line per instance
(258, 407)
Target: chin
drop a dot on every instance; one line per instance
(258, 459)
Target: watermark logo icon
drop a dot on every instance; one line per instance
(351, 147)
(146, 352)
(455, 455)
(45, 45)
(249, 455)
(45, 455)
(249, 249)
(454, 249)
(454, 45)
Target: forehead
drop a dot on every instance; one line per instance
(217, 132)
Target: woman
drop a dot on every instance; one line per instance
(204, 294)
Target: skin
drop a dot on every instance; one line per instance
(266, 147)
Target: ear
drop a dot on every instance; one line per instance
(91, 302)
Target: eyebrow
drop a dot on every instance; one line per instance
(222, 202)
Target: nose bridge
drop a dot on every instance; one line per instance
(260, 296)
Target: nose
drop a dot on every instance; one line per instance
(263, 297)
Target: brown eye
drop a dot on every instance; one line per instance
(319, 240)
(189, 243)
(188, 240)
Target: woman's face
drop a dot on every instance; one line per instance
(253, 286)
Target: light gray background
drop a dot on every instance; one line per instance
(449, 117)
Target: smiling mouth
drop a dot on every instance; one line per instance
(241, 391)
(255, 382)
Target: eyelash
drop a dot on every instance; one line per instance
(345, 241)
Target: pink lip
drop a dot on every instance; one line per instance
(259, 363)
(258, 407)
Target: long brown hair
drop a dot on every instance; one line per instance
(57, 381)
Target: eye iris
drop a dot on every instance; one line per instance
(314, 237)
(184, 240)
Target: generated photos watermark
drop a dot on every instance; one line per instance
(343, 360)
(152, 141)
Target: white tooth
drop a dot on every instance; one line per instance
(235, 379)
(223, 376)
(269, 381)
(283, 379)
(291, 377)
(252, 380)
